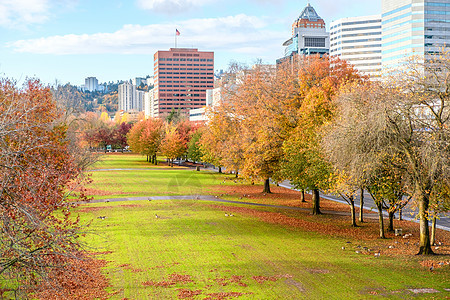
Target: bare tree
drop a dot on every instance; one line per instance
(403, 122)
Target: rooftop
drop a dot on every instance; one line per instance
(310, 14)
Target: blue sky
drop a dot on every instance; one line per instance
(68, 40)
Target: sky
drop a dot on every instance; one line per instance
(66, 41)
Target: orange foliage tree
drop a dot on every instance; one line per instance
(173, 144)
(318, 81)
(38, 173)
(145, 137)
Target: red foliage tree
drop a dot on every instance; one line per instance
(38, 171)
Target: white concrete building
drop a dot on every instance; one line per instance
(358, 41)
(139, 100)
(148, 112)
(413, 27)
(127, 95)
(91, 84)
(213, 97)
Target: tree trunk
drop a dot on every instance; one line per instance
(147, 158)
(424, 240)
(380, 219)
(155, 158)
(266, 186)
(237, 174)
(361, 205)
(198, 168)
(352, 206)
(400, 217)
(220, 169)
(391, 221)
(433, 231)
(302, 196)
(316, 202)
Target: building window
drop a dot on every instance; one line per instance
(314, 42)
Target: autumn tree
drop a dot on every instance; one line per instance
(119, 135)
(218, 143)
(407, 117)
(346, 141)
(39, 238)
(172, 145)
(194, 152)
(145, 137)
(318, 81)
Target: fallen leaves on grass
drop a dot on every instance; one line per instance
(224, 281)
(435, 264)
(186, 293)
(223, 295)
(91, 209)
(165, 266)
(335, 225)
(331, 228)
(279, 196)
(173, 279)
(95, 192)
(129, 267)
(262, 279)
(87, 281)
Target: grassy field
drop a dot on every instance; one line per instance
(172, 249)
(129, 175)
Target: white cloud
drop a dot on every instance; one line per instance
(233, 33)
(19, 13)
(171, 6)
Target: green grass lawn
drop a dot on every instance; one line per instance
(195, 239)
(125, 160)
(145, 179)
(192, 248)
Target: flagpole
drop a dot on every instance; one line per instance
(175, 40)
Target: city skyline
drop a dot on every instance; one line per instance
(70, 40)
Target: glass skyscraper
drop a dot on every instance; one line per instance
(413, 27)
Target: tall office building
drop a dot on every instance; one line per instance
(91, 84)
(181, 77)
(413, 27)
(127, 96)
(309, 36)
(130, 98)
(358, 41)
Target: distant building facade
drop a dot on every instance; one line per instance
(181, 78)
(149, 104)
(358, 41)
(137, 81)
(127, 97)
(309, 36)
(91, 84)
(213, 97)
(413, 27)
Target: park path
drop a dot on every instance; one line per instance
(442, 223)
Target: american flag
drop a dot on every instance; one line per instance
(177, 32)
